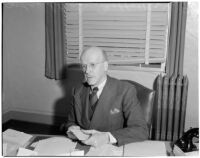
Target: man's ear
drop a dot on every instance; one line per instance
(106, 66)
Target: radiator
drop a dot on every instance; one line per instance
(170, 107)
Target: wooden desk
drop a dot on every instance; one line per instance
(122, 151)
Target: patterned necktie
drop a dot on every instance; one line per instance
(93, 99)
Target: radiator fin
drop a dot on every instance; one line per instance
(170, 107)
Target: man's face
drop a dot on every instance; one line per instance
(94, 67)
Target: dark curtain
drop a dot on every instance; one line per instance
(54, 37)
(174, 65)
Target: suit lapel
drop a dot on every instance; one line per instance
(82, 103)
(103, 104)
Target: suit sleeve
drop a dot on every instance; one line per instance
(71, 119)
(135, 127)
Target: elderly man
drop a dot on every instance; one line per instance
(104, 107)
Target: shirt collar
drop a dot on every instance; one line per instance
(102, 84)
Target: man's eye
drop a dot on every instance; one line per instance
(92, 65)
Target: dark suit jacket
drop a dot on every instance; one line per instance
(118, 111)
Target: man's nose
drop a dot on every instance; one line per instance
(87, 69)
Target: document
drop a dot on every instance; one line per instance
(55, 146)
(16, 137)
(26, 152)
(177, 151)
(5, 149)
(106, 150)
(145, 148)
(10, 149)
(79, 134)
(73, 153)
(33, 145)
(77, 153)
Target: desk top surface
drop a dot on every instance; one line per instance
(145, 148)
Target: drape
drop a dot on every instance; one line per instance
(174, 64)
(54, 37)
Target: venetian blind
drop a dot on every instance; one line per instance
(72, 32)
(130, 33)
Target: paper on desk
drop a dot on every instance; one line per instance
(11, 149)
(33, 145)
(64, 154)
(73, 153)
(79, 134)
(5, 149)
(106, 150)
(192, 153)
(145, 148)
(177, 151)
(77, 153)
(55, 146)
(16, 137)
(26, 152)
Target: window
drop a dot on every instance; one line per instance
(134, 35)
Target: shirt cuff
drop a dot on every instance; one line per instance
(112, 139)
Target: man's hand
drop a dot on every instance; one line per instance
(97, 138)
(70, 134)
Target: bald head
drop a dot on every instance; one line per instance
(95, 65)
(96, 52)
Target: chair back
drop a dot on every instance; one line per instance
(146, 98)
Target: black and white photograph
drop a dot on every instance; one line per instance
(100, 78)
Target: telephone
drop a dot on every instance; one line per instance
(187, 142)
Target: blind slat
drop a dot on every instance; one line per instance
(115, 18)
(128, 54)
(75, 51)
(118, 23)
(134, 61)
(117, 27)
(112, 44)
(121, 49)
(118, 32)
(110, 35)
(115, 14)
(117, 40)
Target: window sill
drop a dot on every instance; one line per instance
(135, 68)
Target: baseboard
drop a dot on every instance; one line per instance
(33, 117)
(6, 116)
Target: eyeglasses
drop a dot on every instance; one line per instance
(92, 66)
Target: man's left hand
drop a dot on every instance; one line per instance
(97, 138)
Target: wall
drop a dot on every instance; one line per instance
(25, 89)
(24, 86)
(191, 65)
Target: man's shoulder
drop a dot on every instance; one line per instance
(79, 87)
(121, 83)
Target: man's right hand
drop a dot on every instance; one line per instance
(70, 134)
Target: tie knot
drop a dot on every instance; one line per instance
(95, 89)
